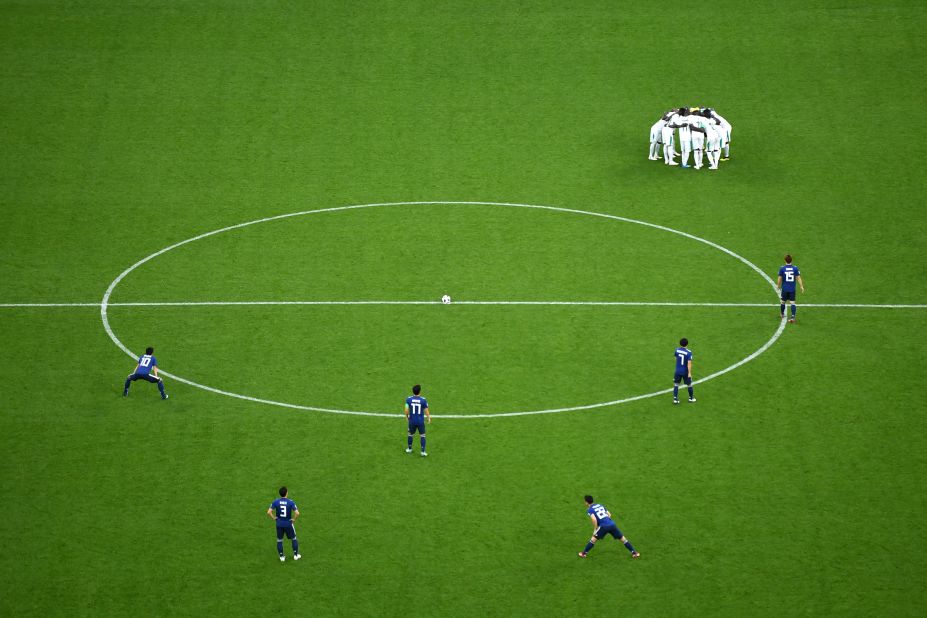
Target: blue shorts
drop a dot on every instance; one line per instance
(288, 529)
(602, 531)
(416, 425)
(682, 377)
(788, 295)
(144, 376)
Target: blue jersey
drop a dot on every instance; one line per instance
(600, 513)
(283, 508)
(789, 274)
(416, 406)
(683, 356)
(145, 364)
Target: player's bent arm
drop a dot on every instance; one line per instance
(295, 514)
(428, 415)
(270, 513)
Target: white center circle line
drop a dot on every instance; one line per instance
(104, 305)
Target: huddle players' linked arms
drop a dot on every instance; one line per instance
(146, 369)
(702, 131)
(602, 525)
(417, 414)
(284, 512)
(789, 275)
(683, 356)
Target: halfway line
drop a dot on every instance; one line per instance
(222, 303)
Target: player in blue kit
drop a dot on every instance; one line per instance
(284, 512)
(789, 275)
(603, 525)
(146, 369)
(417, 414)
(683, 370)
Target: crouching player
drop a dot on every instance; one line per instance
(603, 525)
(146, 369)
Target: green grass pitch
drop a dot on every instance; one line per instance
(794, 486)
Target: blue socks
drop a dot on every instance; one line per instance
(422, 440)
(161, 388)
(280, 547)
(794, 309)
(691, 393)
(588, 547)
(410, 442)
(675, 391)
(629, 546)
(782, 309)
(295, 546)
(125, 389)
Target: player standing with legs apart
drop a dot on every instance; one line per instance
(284, 512)
(683, 370)
(417, 414)
(603, 525)
(789, 275)
(146, 369)
(698, 128)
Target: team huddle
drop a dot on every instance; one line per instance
(702, 131)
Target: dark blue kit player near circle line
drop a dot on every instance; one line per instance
(789, 275)
(683, 373)
(417, 413)
(602, 526)
(284, 512)
(146, 369)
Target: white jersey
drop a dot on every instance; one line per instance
(684, 131)
(713, 137)
(725, 128)
(656, 131)
(698, 138)
(724, 123)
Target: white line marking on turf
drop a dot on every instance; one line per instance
(104, 304)
(604, 303)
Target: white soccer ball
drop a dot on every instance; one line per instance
(446, 299)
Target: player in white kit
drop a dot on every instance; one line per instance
(656, 136)
(669, 128)
(685, 135)
(725, 133)
(699, 127)
(712, 142)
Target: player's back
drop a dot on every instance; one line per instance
(145, 363)
(698, 122)
(685, 128)
(683, 356)
(417, 406)
(601, 514)
(789, 273)
(283, 509)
